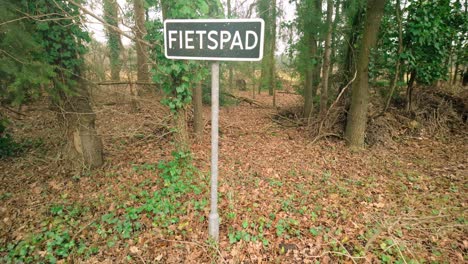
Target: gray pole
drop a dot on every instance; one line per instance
(213, 225)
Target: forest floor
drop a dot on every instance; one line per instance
(281, 199)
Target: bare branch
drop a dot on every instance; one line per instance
(116, 29)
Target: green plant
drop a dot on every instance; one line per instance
(8, 147)
(53, 241)
(140, 168)
(288, 227)
(315, 231)
(287, 205)
(252, 231)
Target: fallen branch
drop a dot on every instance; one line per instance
(11, 110)
(128, 83)
(287, 92)
(317, 138)
(245, 99)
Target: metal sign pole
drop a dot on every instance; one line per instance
(213, 225)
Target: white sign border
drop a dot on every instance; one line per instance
(262, 38)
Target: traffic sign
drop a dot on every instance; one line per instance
(214, 39)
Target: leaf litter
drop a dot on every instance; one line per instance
(282, 200)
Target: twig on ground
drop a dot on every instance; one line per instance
(245, 99)
(203, 246)
(82, 229)
(320, 134)
(11, 110)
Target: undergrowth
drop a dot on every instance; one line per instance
(9, 147)
(62, 235)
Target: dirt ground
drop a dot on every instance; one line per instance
(282, 199)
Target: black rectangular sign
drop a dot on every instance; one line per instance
(214, 39)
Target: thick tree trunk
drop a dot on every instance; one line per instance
(197, 111)
(357, 116)
(84, 146)
(326, 59)
(140, 33)
(114, 41)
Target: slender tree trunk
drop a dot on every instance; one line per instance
(230, 72)
(457, 65)
(334, 33)
(409, 91)
(85, 146)
(326, 59)
(254, 80)
(272, 84)
(114, 42)
(197, 111)
(349, 66)
(267, 10)
(398, 62)
(357, 116)
(309, 79)
(140, 33)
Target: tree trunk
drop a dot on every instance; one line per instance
(197, 111)
(394, 81)
(272, 84)
(326, 59)
(409, 91)
(357, 116)
(349, 66)
(254, 80)
(312, 71)
(309, 81)
(231, 73)
(267, 10)
(182, 136)
(334, 33)
(457, 65)
(84, 146)
(140, 33)
(113, 38)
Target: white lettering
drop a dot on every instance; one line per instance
(225, 37)
(200, 34)
(247, 33)
(188, 39)
(171, 39)
(236, 41)
(214, 41)
(180, 40)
